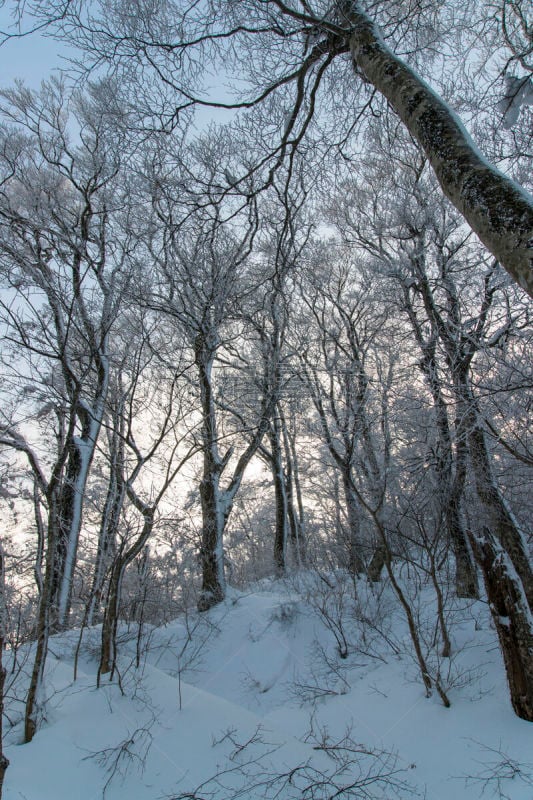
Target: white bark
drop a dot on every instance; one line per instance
(86, 447)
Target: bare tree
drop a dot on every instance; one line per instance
(200, 257)
(419, 242)
(290, 51)
(64, 280)
(278, 262)
(383, 227)
(140, 439)
(337, 362)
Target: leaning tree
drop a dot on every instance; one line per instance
(310, 72)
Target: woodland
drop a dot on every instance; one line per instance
(266, 271)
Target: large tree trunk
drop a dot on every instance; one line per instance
(512, 619)
(499, 516)
(69, 525)
(212, 549)
(496, 516)
(466, 582)
(217, 502)
(214, 514)
(377, 563)
(116, 493)
(110, 620)
(497, 209)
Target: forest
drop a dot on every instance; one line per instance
(266, 270)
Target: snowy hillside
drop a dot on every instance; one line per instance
(252, 700)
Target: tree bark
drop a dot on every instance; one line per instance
(356, 565)
(498, 210)
(294, 494)
(81, 455)
(43, 624)
(217, 502)
(512, 618)
(281, 500)
(497, 516)
(213, 588)
(110, 621)
(212, 549)
(377, 564)
(450, 471)
(109, 523)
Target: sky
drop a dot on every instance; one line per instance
(34, 58)
(31, 58)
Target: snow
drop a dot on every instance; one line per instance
(518, 92)
(248, 709)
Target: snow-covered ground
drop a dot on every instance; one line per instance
(257, 703)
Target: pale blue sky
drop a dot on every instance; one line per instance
(31, 58)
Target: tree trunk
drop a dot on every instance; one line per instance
(451, 475)
(81, 452)
(512, 618)
(501, 520)
(212, 550)
(377, 564)
(110, 621)
(496, 515)
(213, 588)
(466, 582)
(294, 492)
(67, 528)
(280, 493)
(497, 209)
(43, 625)
(116, 493)
(297, 533)
(356, 565)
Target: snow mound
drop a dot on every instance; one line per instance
(253, 700)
